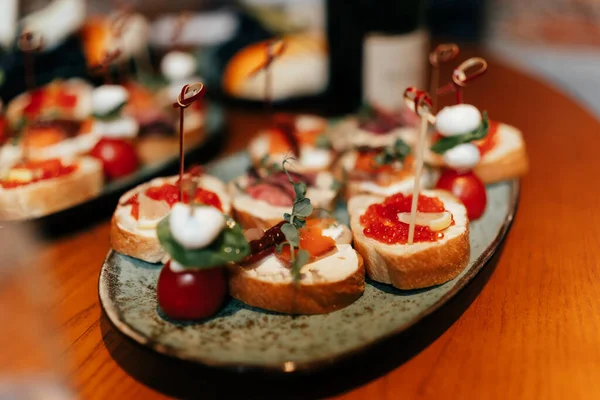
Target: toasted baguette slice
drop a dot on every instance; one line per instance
(327, 284)
(421, 264)
(51, 195)
(300, 70)
(137, 238)
(252, 213)
(506, 160)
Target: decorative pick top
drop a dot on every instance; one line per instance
(423, 108)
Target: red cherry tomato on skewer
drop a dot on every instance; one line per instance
(468, 188)
(118, 157)
(191, 294)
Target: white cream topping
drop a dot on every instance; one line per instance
(197, 227)
(312, 157)
(457, 120)
(120, 127)
(334, 231)
(336, 267)
(178, 65)
(107, 98)
(462, 157)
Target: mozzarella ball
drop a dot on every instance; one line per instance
(120, 127)
(106, 98)
(462, 157)
(198, 229)
(457, 120)
(177, 66)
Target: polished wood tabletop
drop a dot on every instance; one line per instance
(527, 328)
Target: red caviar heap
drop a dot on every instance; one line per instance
(381, 222)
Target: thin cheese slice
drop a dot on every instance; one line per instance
(435, 221)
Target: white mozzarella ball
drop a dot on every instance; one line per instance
(457, 120)
(177, 66)
(197, 230)
(107, 98)
(120, 127)
(462, 157)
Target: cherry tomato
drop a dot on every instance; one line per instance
(191, 294)
(468, 188)
(118, 157)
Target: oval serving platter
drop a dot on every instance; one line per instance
(243, 337)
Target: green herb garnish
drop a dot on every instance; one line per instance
(229, 246)
(267, 165)
(301, 210)
(396, 152)
(446, 143)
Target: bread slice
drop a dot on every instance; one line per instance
(506, 160)
(253, 213)
(52, 195)
(327, 284)
(300, 70)
(421, 264)
(129, 237)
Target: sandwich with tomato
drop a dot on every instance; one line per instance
(464, 134)
(303, 137)
(381, 170)
(31, 189)
(53, 121)
(133, 226)
(301, 265)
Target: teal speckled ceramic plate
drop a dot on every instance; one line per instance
(245, 337)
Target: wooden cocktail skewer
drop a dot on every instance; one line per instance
(461, 76)
(118, 26)
(104, 65)
(423, 108)
(182, 20)
(30, 43)
(440, 55)
(273, 48)
(189, 94)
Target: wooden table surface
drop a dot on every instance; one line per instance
(533, 332)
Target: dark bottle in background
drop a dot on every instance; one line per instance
(377, 49)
